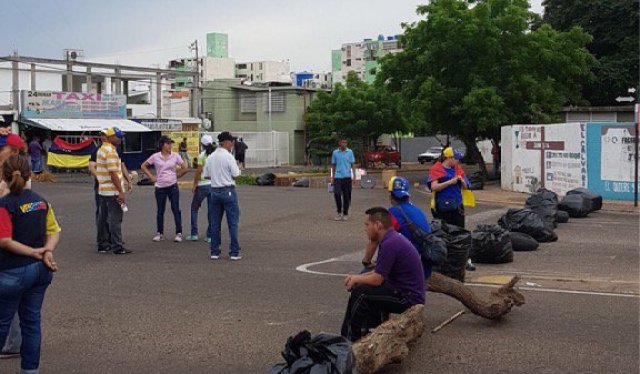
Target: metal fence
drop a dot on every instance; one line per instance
(266, 149)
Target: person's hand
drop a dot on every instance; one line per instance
(129, 187)
(38, 253)
(4, 131)
(121, 197)
(193, 189)
(153, 179)
(350, 282)
(49, 262)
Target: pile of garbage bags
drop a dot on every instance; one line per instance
(491, 244)
(323, 353)
(268, 179)
(545, 204)
(529, 222)
(458, 241)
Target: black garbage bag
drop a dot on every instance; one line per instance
(477, 181)
(145, 181)
(268, 179)
(562, 216)
(321, 354)
(527, 221)
(302, 182)
(545, 204)
(458, 242)
(491, 244)
(596, 200)
(577, 206)
(521, 242)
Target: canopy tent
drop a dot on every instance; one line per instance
(84, 125)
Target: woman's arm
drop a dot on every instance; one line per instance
(437, 186)
(183, 170)
(145, 169)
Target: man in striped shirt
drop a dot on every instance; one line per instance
(111, 191)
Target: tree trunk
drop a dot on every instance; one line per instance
(389, 342)
(474, 155)
(498, 303)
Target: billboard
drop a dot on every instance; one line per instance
(612, 159)
(73, 105)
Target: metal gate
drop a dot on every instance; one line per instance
(266, 149)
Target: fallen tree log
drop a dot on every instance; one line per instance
(498, 303)
(389, 342)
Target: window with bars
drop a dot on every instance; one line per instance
(248, 103)
(278, 102)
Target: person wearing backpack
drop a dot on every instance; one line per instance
(406, 218)
(446, 181)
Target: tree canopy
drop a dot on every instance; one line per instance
(469, 68)
(357, 111)
(614, 27)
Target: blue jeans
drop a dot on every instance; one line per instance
(36, 164)
(224, 200)
(202, 192)
(14, 337)
(22, 289)
(173, 194)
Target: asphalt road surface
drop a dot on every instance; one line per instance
(167, 308)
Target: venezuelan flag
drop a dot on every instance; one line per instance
(68, 155)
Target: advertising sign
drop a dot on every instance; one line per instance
(160, 124)
(73, 105)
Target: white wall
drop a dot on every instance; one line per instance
(218, 68)
(563, 159)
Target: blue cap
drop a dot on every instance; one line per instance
(399, 187)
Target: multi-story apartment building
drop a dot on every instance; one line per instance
(264, 71)
(362, 57)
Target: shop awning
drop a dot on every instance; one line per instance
(85, 125)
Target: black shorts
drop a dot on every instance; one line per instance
(240, 157)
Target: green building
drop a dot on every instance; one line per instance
(217, 45)
(241, 108)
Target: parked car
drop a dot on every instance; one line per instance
(430, 155)
(383, 154)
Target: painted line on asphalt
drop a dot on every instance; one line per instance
(304, 268)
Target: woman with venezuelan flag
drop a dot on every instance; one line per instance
(446, 182)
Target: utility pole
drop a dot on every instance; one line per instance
(196, 81)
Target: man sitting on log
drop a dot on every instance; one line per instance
(395, 284)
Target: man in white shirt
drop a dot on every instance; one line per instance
(222, 169)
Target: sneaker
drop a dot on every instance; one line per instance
(338, 217)
(215, 257)
(122, 251)
(178, 238)
(470, 266)
(345, 217)
(208, 240)
(235, 258)
(192, 238)
(158, 237)
(7, 355)
(104, 250)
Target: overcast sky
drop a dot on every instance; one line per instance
(153, 32)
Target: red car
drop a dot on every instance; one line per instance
(383, 154)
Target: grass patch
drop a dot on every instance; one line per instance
(246, 180)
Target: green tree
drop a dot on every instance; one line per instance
(357, 111)
(468, 70)
(614, 27)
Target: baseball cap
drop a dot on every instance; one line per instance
(450, 152)
(226, 135)
(165, 139)
(111, 131)
(206, 140)
(12, 140)
(399, 187)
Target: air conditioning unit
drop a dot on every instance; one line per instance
(73, 54)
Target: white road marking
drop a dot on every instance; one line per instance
(304, 268)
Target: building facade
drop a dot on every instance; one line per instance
(217, 45)
(362, 57)
(245, 108)
(264, 71)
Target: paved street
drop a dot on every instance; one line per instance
(167, 308)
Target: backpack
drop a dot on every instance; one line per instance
(432, 250)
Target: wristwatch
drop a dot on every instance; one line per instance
(366, 263)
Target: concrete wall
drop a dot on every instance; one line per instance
(218, 68)
(561, 157)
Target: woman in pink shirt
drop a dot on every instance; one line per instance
(166, 164)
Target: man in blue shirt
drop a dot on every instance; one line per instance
(395, 284)
(342, 161)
